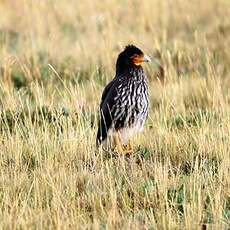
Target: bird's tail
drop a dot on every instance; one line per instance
(101, 133)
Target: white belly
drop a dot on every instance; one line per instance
(126, 133)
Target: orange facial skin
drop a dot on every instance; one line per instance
(137, 59)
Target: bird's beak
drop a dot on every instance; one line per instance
(146, 58)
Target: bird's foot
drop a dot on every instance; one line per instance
(124, 149)
(120, 148)
(128, 149)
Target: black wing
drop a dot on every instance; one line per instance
(107, 101)
(105, 91)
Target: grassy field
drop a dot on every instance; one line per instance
(55, 59)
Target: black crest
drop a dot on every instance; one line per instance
(124, 58)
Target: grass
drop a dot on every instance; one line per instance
(56, 57)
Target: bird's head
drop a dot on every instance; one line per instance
(131, 56)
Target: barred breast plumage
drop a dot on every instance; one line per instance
(130, 107)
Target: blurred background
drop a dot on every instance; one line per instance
(81, 39)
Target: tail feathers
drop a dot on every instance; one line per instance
(101, 133)
(104, 125)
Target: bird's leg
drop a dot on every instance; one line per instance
(129, 148)
(117, 143)
(120, 148)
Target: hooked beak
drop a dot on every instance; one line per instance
(146, 58)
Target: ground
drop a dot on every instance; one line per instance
(55, 59)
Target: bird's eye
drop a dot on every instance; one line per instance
(134, 56)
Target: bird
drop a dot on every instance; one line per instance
(124, 102)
